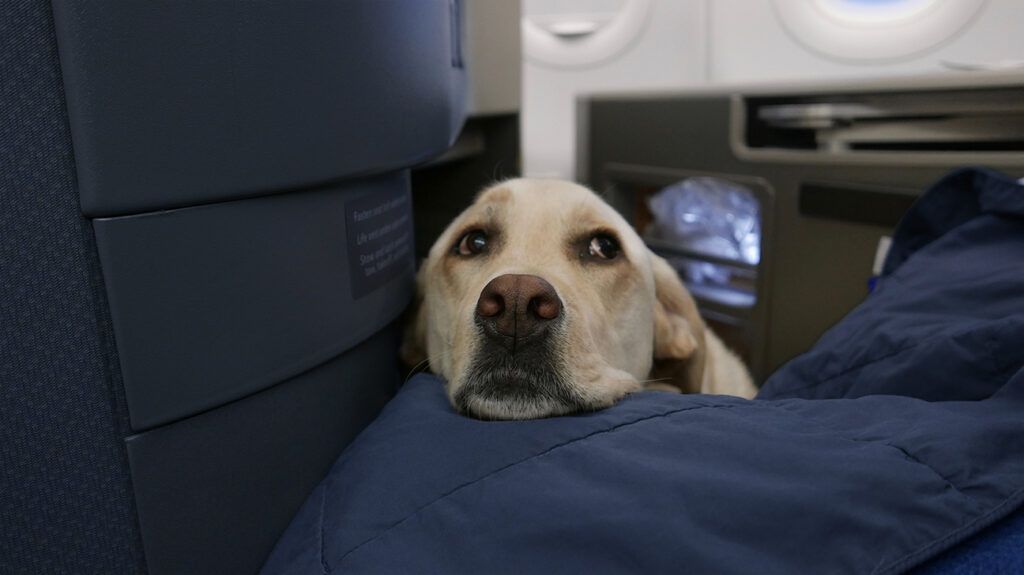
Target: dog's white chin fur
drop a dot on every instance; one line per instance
(597, 387)
(503, 409)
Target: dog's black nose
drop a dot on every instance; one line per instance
(517, 305)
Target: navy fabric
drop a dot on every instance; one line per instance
(66, 502)
(998, 549)
(946, 321)
(898, 437)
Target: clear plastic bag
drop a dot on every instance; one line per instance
(708, 216)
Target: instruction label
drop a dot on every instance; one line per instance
(379, 230)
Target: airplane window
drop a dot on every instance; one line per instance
(871, 12)
(874, 30)
(575, 33)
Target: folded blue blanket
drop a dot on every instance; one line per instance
(899, 436)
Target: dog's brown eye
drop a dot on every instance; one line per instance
(604, 246)
(473, 243)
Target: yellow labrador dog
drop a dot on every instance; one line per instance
(541, 300)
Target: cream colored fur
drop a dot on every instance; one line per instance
(621, 318)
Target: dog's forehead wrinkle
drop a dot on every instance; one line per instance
(485, 216)
(499, 192)
(538, 206)
(544, 189)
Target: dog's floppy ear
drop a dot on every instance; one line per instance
(414, 340)
(677, 323)
(678, 330)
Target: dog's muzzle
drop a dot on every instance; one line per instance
(518, 371)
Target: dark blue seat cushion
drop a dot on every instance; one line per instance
(897, 438)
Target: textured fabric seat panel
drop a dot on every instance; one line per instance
(65, 495)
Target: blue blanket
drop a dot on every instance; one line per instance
(898, 437)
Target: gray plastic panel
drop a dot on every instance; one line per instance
(213, 303)
(215, 491)
(819, 266)
(179, 103)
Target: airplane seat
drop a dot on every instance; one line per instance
(205, 243)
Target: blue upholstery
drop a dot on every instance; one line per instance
(229, 155)
(65, 494)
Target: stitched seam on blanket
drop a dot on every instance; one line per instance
(516, 463)
(1005, 362)
(846, 370)
(323, 503)
(998, 512)
(909, 457)
(906, 454)
(785, 394)
(899, 565)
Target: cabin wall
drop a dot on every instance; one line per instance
(694, 43)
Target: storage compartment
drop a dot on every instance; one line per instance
(959, 120)
(831, 208)
(729, 285)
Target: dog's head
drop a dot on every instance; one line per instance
(541, 300)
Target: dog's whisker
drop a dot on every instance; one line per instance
(497, 173)
(659, 380)
(414, 369)
(426, 362)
